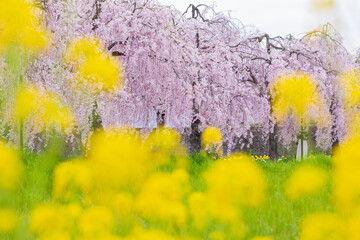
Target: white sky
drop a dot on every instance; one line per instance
(281, 17)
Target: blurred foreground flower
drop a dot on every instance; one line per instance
(142, 234)
(53, 218)
(96, 221)
(236, 180)
(217, 235)
(93, 65)
(118, 160)
(72, 178)
(353, 128)
(18, 25)
(350, 83)
(233, 183)
(161, 197)
(322, 226)
(164, 143)
(42, 108)
(261, 238)
(296, 93)
(11, 168)
(306, 180)
(9, 220)
(211, 140)
(346, 174)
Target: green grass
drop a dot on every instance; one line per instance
(279, 218)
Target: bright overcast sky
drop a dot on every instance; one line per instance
(281, 17)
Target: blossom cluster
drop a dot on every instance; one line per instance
(155, 60)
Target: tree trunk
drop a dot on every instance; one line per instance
(334, 136)
(335, 144)
(273, 144)
(96, 119)
(160, 118)
(195, 137)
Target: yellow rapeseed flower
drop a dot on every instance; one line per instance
(102, 71)
(236, 180)
(353, 128)
(96, 221)
(345, 174)
(104, 236)
(71, 178)
(322, 226)
(141, 234)
(198, 210)
(164, 144)
(350, 83)
(94, 66)
(11, 170)
(43, 108)
(306, 180)
(232, 183)
(164, 138)
(217, 235)
(55, 112)
(18, 24)
(49, 218)
(161, 197)
(261, 238)
(211, 136)
(352, 224)
(204, 208)
(118, 160)
(34, 39)
(9, 220)
(121, 203)
(296, 93)
(55, 236)
(25, 102)
(82, 48)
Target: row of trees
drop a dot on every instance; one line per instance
(188, 70)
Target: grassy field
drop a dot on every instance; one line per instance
(278, 218)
